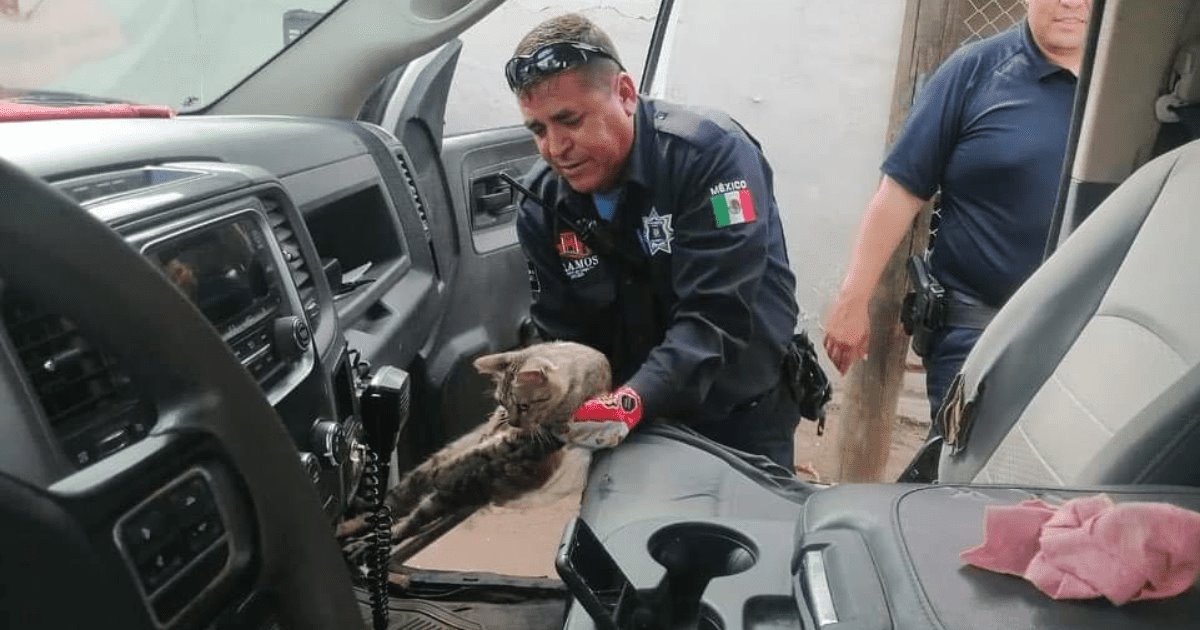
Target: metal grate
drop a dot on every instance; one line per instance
(988, 17)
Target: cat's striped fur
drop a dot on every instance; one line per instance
(516, 450)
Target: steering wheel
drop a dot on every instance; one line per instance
(65, 558)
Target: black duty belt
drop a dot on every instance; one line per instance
(965, 313)
(959, 315)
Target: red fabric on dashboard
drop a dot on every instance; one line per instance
(10, 111)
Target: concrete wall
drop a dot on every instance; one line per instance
(812, 80)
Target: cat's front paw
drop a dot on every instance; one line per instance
(355, 550)
(351, 527)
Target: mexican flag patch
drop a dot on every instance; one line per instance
(733, 207)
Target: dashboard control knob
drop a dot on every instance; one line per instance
(311, 466)
(292, 337)
(330, 442)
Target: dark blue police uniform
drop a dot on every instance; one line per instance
(989, 130)
(699, 321)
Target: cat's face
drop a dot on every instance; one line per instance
(543, 385)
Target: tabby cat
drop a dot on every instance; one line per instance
(516, 451)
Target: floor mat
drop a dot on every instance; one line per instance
(532, 612)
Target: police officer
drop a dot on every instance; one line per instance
(656, 240)
(989, 130)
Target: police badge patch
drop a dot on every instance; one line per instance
(657, 232)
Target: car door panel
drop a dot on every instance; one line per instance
(481, 270)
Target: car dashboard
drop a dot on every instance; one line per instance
(222, 207)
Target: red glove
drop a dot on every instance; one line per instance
(603, 421)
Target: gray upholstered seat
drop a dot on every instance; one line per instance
(1088, 374)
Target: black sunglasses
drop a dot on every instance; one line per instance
(523, 70)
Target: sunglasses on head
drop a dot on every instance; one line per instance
(524, 70)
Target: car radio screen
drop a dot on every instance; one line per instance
(226, 271)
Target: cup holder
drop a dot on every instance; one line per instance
(693, 554)
(709, 620)
(702, 549)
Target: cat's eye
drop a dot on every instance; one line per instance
(522, 407)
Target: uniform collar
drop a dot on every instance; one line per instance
(637, 170)
(1039, 65)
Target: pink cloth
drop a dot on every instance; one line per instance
(1089, 547)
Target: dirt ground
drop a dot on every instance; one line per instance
(523, 541)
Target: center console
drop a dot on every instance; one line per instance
(711, 545)
(245, 261)
(707, 574)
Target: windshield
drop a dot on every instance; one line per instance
(180, 53)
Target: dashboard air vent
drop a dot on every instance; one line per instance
(90, 403)
(420, 206)
(295, 260)
(412, 190)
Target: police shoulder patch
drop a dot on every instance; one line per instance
(732, 203)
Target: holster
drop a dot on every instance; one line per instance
(924, 309)
(806, 380)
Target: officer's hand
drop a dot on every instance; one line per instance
(847, 331)
(603, 421)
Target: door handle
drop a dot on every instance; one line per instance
(493, 202)
(493, 196)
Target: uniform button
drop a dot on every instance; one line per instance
(661, 115)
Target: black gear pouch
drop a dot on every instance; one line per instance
(806, 380)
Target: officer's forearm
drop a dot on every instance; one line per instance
(888, 218)
(678, 374)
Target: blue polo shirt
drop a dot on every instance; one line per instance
(990, 130)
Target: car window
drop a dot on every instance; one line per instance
(479, 97)
(179, 53)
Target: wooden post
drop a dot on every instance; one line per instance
(873, 385)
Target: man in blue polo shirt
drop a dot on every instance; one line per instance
(989, 130)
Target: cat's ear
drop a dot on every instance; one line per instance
(494, 364)
(536, 371)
